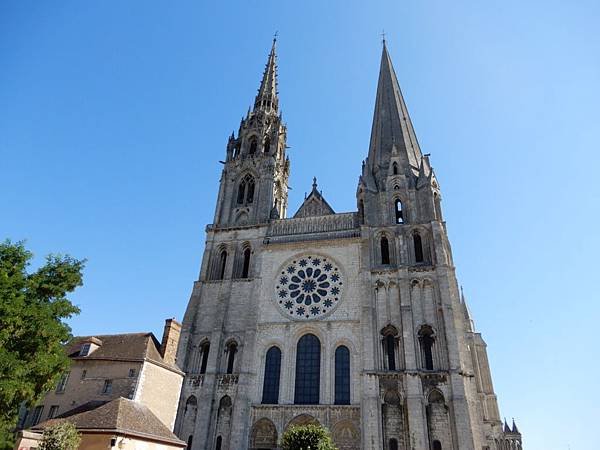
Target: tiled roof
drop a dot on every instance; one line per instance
(120, 416)
(132, 346)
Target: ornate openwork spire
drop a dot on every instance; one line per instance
(266, 99)
(391, 123)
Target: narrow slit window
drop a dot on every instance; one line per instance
(252, 147)
(395, 168)
(437, 445)
(385, 250)
(267, 145)
(231, 351)
(203, 364)
(418, 244)
(246, 265)
(390, 344)
(222, 264)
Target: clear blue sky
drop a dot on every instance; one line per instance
(113, 116)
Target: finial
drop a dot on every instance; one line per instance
(383, 37)
(314, 182)
(275, 36)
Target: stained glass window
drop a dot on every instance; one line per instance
(271, 380)
(308, 367)
(342, 376)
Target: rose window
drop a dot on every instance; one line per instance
(308, 287)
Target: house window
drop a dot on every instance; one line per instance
(85, 349)
(52, 413)
(399, 213)
(37, 414)
(342, 375)
(385, 251)
(270, 394)
(132, 373)
(107, 387)
(62, 383)
(246, 266)
(308, 367)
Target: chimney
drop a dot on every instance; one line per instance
(170, 340)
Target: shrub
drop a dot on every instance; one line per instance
(307, 437)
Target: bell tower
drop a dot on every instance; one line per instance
(254, 180)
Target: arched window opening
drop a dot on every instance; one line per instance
(418, 244)
(205, 348)
(250, 191)
(308, 368)
(267, 147)
(241, 192)
(427, 341)
(231, 351)
(222, 264)
(246, 265)
(270, 394)
(393, 444)
(390, 350)
(395, 168)
(437, 445)
(399, 213)
(342, 375)
(253, 144)
(219, 443)
(385, 250)
(189, 442)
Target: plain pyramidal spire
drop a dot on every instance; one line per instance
(266, 98)
(392, 126)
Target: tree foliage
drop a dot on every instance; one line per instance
(33, 307)
(307, 437)
(61, 436)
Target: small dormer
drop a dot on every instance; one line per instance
(89, 345)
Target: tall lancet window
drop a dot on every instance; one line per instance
(418, 244)
(390, 349)
(267, 147)
(342, 375)
(204, 349)
(308, 370)
(398, 211)
(246, 264)
(222, 264)
(427, 340)
(253, 146)
(270, 394)
(250, 190)
(231, 351)
(395, 168)
(385, 250)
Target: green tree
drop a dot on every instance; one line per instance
(61, 436)
(33, 307)
(307, 437)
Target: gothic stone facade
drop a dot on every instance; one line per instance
(351, 320)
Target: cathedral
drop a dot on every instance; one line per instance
(351, 320)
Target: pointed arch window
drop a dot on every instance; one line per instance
(390, 350)
(437, 445)
(245, 193)
(342, 375)
(205, 349)
(418, 245)
(385, 250)
(250, 190)
(393, 444)
(427, 340)
(270, 394)
(395, 168)
(253, 146)
(222, 264)
(231, 351)
(308, 370)
(267, 146)
(398, 211)
(219, 443)
(246, 263)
